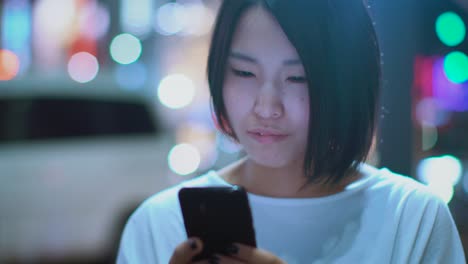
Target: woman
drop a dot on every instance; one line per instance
(296, 84)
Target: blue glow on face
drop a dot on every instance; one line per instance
(16, 30)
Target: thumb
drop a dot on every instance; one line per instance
(185, 251)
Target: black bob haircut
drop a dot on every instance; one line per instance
(337, 45)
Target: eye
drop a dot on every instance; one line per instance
(243, 74)
(297, 79)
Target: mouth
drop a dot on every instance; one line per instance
(266, 137)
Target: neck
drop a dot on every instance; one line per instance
(286, 182)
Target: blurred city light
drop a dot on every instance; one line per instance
(450, 29)
(429, 137)
(9, 65)
(55, 18)
(94, 20)
(132, 76)
(429, 113)
(444, 191)
(440, 174)
(449, 95)
(456, 67)
(199, 19)
(202, 137)
(184, 159)
(170, 19)
(191, 18)
(125, 48)
(176, 91)
(54, 28)
(136, 16)
(16, 30)
(83, 67)
(441, 170)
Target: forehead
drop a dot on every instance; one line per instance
(258, 33)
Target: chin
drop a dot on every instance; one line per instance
(269, 160)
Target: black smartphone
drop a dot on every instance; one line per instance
(219, 216)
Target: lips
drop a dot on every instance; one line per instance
(266, 136)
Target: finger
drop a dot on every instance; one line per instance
(253, 255)
(184, 252)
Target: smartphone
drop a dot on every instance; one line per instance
(219, 216)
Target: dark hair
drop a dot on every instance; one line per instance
(337, 45)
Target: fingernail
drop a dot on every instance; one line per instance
(232, 249)
(214, 260)
(193, 244)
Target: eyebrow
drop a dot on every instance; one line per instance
(244, 57)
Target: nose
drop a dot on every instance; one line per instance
(268, 104)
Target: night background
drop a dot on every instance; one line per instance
(105, 102)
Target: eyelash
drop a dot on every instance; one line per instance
(297, 79)
(246, 74)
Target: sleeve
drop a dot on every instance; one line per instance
(136, 245)
(443, 244)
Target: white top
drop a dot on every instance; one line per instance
(382, 218)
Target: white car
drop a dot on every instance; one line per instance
(75, 160)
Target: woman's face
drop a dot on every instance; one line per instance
(265, 92)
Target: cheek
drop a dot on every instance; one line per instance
(298, 115)
(238, 100)
(238, 92)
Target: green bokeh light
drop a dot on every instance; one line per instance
(450, 29)
(456, 67)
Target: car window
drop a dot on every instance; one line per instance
(55, 118)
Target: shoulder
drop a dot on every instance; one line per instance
(412, 202)
(423, 220)
(400, 187)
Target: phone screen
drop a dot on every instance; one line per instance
(219, 216)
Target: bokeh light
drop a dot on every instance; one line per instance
(136, 16)
(450, 29)
(170, 19)
(430, 136)
(9, 65)
(184, 159)
(191, 18)
(456, 67)
(94, 20)
(444, 191)
(55, 18)
(440, 174)
(430, 113)
(441, 170)
(176, 91)
(132, 76)
(125, 48)
(201, 19)
(202, 137)
(449, 95)
(83, 67)
(16, 28)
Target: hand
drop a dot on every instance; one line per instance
(245, 254)
(185, 251)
